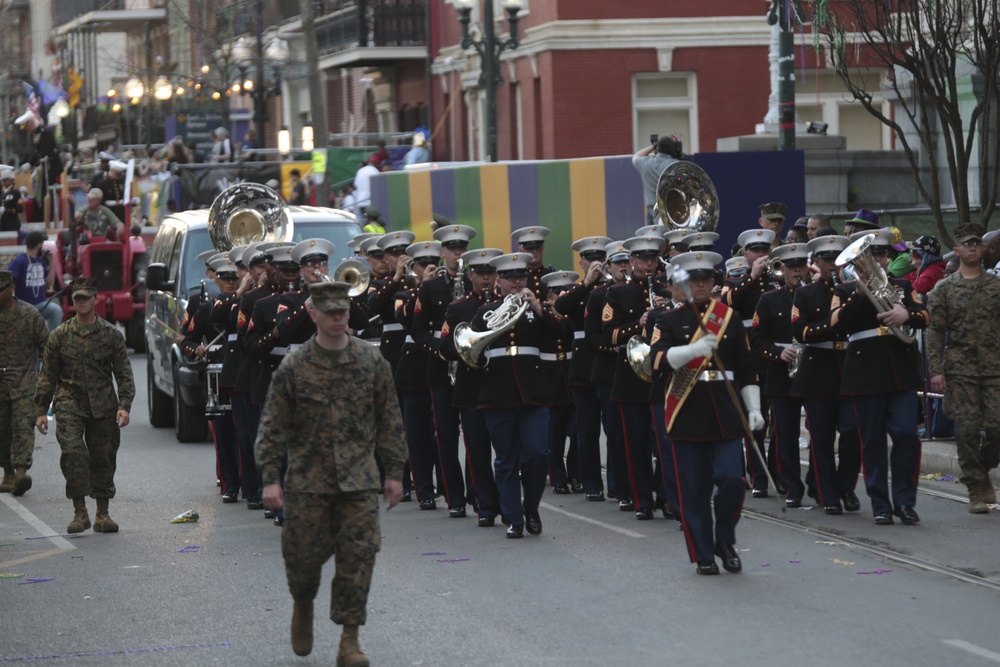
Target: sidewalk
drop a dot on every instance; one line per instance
(939, 456)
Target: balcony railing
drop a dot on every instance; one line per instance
(66, 10)
(373, 23)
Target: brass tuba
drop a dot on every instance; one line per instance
(471, 343)
(247, 213)
(354, 273)
(876, 287)
(686, 198)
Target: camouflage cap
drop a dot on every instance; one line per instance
(84, 286)
(330, 296)
(968, 231)
(6, 279)
(773, 210)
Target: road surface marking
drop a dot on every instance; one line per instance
(973, 649)
(36, 523)
(33, 557)
(579, 517)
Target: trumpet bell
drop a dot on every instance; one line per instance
(637, 353)
(354, 273)
(687, 199)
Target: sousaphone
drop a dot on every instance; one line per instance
(248, 213)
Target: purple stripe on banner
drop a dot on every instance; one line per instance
(524, 205)
(443, 193)
(624, 202)
(380, 197)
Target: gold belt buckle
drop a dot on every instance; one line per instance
(512, 351)
(883, 331)
(839, 345)
(561, 356)
(712, 376)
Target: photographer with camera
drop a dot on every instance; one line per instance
(34, 277)
(650, 163)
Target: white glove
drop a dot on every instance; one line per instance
(680, 355)
(751, 399)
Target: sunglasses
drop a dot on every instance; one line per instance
(455, 246)
(312, 263)
(376, 254)
(972, 243)
(532, 246)
(396, 252)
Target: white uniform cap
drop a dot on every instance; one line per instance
(881, 238)
(831, 244)
(310, 248)
(396, 239)
(754, 237)
(430, 249)
(592, 244)
(118, 165)
(616, 248)
(700, 240)
(514, 261)
(737, 265)
(370, 244)
(530, 234)
(6, 174)
(450, 233)
(696, 260)
(481, 257)
(674, 236)
(207, 255)
(651, 230)
(236, 254)
(358, 238)
(558, 279)
(644, 244)
(104, 155)
(791, 251)
(222, 263)
(283, 254)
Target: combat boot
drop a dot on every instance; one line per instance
(350, 654)
(81, 520)
(977, 498)
(22, 481)
(102, 522)
(989, 493)
(302, 627)
(7, 485)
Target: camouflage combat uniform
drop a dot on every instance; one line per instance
(965, 317)
(23, 333)
(78, 367)
(330, 411)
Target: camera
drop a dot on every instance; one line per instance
(653, 139)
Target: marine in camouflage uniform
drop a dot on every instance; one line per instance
(82, 357)
(965, 314)
(23, 334)
(329, 410)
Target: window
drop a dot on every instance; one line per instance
(665, 104)
(823, 96)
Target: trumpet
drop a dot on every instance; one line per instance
(354, 273)
(774, 269)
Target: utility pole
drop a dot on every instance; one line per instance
(317, 98)
(785, 19)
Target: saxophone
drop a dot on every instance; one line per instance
(457, 292)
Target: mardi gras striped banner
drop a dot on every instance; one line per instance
(576, 198)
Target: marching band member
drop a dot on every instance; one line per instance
(572, 304)
(771, 340)
(701, 418)
(818, 382)
(564, 466)
(882, 375)
(382, 301)
(479, 456)
(698, 241)
(262, 338)
(531, 240)
(603, 375)
(742, 295)
(433, 297)
(513, 398)
(625, 313)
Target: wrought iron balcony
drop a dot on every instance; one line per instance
(346, 24)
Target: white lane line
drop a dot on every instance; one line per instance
(36, 523)
(579, 517)
(973, 649)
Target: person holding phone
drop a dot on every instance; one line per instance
(650, 163)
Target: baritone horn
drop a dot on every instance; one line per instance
(355, 274)
(875, 286)
(248, 213)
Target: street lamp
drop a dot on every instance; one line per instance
(307, 137)
(248, 51)
(284, 142)
(489, 50)
(163, 90)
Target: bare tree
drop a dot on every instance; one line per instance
(940, 64)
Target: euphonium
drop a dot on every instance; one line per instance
(876, 287)
(637, 353)
(471, 343)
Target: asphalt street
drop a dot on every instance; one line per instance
(596, 588)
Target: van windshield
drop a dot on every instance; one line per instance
(196, 243)
(337, 232)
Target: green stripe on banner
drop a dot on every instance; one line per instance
(469, 202)
(556, 213)
(399, 202)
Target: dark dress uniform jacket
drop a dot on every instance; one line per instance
(555, 360)
(625, 305)
(512, 381)
(261, 338)
(411, 371)
(658, 387)
(709, 412)
(468, 381)
(293, 326)
(743, 294)
(199, 329)
(572, 304)
(244, 373)
(384, 302)
(535, 283)
(880, 364)
(428, 317)
(772, 324)
(819, 370)
(223, 317)
(605, 356)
